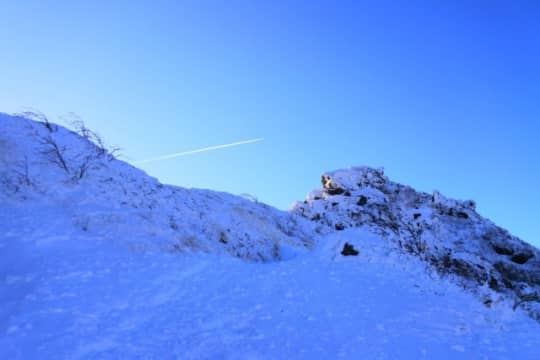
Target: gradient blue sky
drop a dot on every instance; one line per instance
(444, 95)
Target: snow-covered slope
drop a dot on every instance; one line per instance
(55, 168)
(447, 234)
(99, 260)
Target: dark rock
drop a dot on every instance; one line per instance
(512, 273)
(349, 250)
(362, 200)
(336, 191)
(466, 270)
(521, 258)
(530, 297)
(503, 250)
(330, 187)
(417, 215)
(462, 215)
(493, 284)
(508, 284)
(223, 238)
(339, 227)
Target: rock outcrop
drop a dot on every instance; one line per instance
(449, 235)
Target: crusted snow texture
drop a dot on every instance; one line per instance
(45, 165)
(447, 234)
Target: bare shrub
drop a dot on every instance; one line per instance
(39, 117)
(102, 150)
(22, 172)
(54, 152)
(80, 160)
(83, 166)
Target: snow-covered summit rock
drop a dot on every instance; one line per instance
(447, 234)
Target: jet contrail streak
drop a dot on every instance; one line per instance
(209, 148)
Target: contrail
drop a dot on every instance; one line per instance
(209, 148)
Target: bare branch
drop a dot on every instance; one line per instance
(81, 129)
(84, 165)
(39, 117)
(101, 148)
(22, 172)
(54, 152)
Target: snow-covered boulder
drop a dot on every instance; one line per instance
(447, 234)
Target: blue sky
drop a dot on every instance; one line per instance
(445, 96)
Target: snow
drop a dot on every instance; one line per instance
(89, 297)
(117, 265)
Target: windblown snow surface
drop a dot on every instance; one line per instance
(114, 264)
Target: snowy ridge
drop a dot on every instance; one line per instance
(447, 234)
(102, 195)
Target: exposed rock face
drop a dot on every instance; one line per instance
(448, 234)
